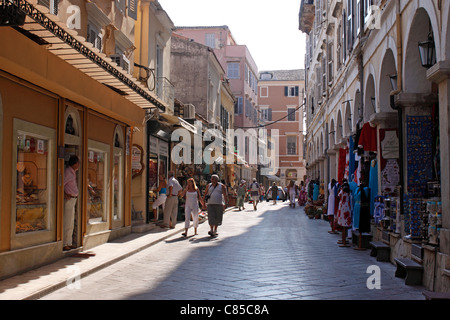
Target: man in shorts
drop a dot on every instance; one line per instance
(216, 198)
(254, 189)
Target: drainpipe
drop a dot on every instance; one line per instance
(399, 108)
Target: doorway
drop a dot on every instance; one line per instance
(73, 146)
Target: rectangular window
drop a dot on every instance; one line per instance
(97, 181)
(233, 70)
(264, 92)
(32, 187)
(94, 36)
(291, 145)
(239, 106)
(210, 40)
(266, 114)
(330, 63)
(291, 91)
(33, 210)
(291, 114)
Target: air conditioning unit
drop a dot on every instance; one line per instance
(189, 111)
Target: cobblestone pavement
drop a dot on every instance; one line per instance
(275, 253)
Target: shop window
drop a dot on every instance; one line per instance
(34, 205)
(118, 174)
(97, 181)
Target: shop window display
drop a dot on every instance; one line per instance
(32, 193)
(97, 193)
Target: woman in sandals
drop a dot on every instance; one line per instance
(191, 207)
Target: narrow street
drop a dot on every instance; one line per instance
(275, 253)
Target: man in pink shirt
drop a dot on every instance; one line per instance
(70, 200)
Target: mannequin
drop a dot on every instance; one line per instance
(331, 205)
(364, 216)
(344, 217)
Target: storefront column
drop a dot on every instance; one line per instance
(332, 164)
(440, 74)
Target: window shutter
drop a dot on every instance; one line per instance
(132, 9)
(296, 91)
(286, 91)
(269, 117)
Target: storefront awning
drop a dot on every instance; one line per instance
(75, 50)
(272, 178)
(174, 120)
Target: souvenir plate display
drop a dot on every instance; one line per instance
(419, 154)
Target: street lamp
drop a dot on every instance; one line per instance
(427, 51)
(374, 104)
(393, 79)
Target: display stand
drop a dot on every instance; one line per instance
(360, 247)
(344, 242)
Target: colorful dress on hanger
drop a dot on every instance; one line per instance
(356, 207)
(373, 185)
(344, 216)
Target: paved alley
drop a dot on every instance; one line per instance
(273, 253)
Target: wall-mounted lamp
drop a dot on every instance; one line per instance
(427, 51)
(393, 79)
(374, 104)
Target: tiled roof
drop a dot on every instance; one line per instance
(282, 75)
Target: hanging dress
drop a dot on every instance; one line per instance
(331, 199)
(364, 216)
(344, 216)
(373, 185)
(316, 192)
(356, 207)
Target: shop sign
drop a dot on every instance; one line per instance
(137, 160)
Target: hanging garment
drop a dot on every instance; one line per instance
(356, 207)
(351, 164)
(378, 213)
(347, 164)
(344, 216)
(316, 191)
(331, 200)
(364, 214)
(353, 187)
(373, 184)
(368, 138)
(341, 165)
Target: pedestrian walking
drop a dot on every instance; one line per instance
(302, 198)
(241, 195)
(274, 190)
(292, 194)
(70, 201)
(216, 200)
(171, 205)
(255, 189)
(191, 208)
(162, 196)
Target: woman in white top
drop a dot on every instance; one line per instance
(191, 207)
